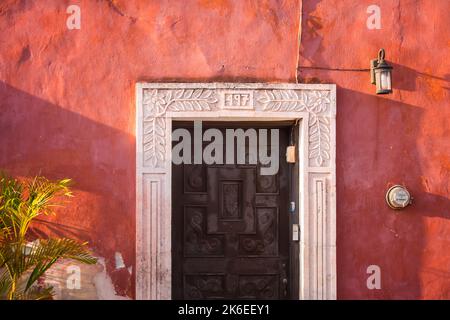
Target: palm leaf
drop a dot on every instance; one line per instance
(5, 283)
(21, 264)
(47, 252)
(35, 293)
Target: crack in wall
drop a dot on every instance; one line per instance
(401, 37)
(335, 69)
(400, 26)
(299, 39)
(115, 7)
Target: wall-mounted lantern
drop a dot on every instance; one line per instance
(398, 197)
(381, 74)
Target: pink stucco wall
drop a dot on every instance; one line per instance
(67, 110)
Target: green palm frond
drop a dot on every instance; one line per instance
(42, 192)
(44, 254)
(19, 208)
(5, 283)
(23, 263)
(35, 293)
(11, 194)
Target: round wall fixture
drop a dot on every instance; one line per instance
(398, 197)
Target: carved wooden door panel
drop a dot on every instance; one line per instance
(230, 237)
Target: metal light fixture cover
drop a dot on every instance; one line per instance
(398, 197)
(381, 74)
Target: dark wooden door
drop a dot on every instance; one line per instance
(230, 237)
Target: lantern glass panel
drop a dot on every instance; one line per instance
(386, 79)
(383, 80)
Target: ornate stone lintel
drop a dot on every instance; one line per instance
(158, 101)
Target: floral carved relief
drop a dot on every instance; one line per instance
(314, 102)
(157, 102)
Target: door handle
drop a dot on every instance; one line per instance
(284, 281)
(285, 287)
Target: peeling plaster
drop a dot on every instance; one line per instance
(94, 282)
(104, 285)
(119, 261)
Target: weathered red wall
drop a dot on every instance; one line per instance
(67, 110)
(399, 138)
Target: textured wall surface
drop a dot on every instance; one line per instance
(381, 140)
(67, 110)
(67, 96)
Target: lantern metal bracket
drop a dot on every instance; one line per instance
(374, 63)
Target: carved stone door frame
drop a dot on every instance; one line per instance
(157, 104)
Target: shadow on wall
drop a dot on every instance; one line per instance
(310, 33)
(382, 152)
(406, 78)
(39, 137)
(380, 142)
